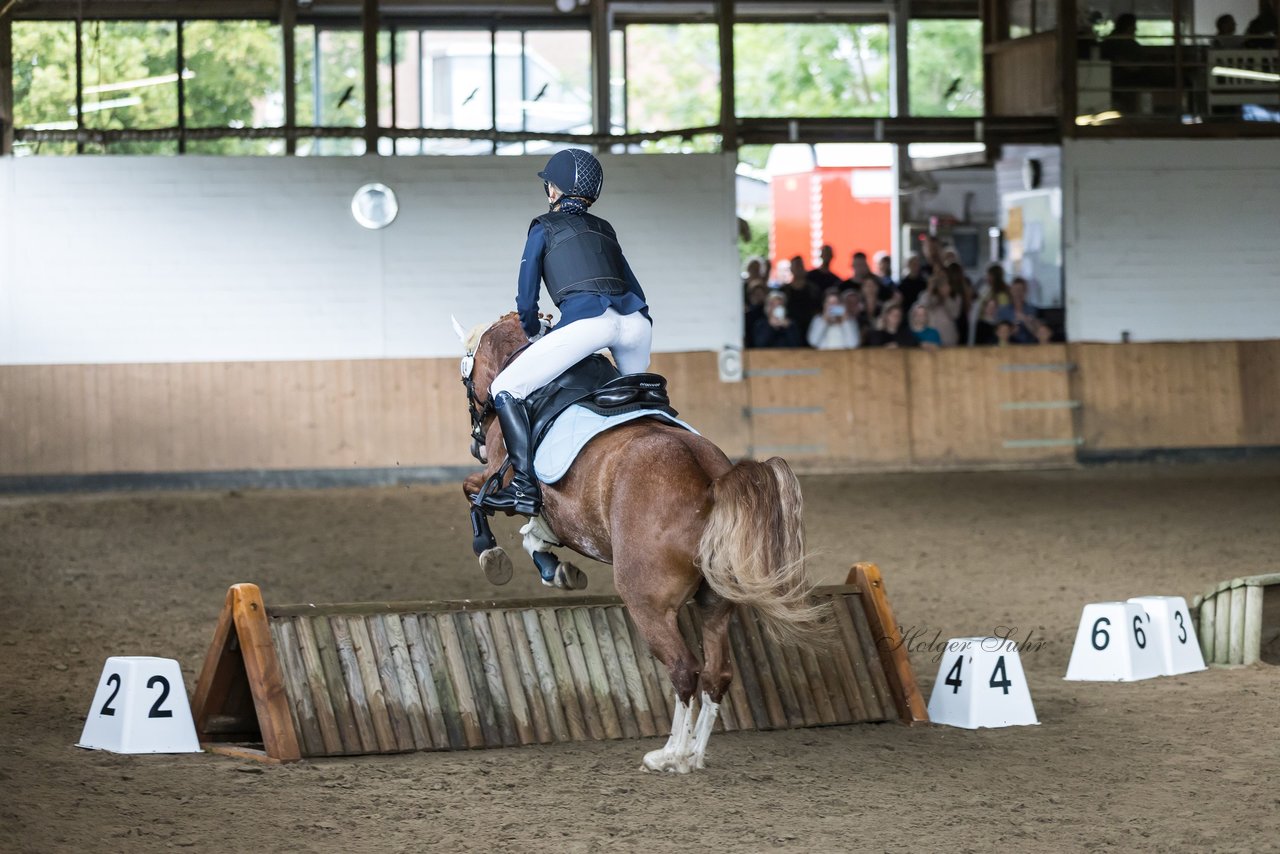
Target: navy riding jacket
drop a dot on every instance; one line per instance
(576, 306)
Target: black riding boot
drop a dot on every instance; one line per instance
(522, 494)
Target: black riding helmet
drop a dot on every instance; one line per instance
(576, 173)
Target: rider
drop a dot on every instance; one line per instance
(601, 305)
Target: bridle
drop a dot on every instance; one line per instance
(480, 412)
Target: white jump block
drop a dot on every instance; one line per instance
(1116, 643)
(1171, 619)
(981, 684)
(140, 707)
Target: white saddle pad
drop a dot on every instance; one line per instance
(577, 426)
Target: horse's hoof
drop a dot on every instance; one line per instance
(661, 760)
(569, 577)
(496, 565)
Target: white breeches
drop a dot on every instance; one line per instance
(627, 336)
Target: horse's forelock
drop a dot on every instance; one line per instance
(473, 337)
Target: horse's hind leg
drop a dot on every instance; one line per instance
(662, 633)
(717, 669)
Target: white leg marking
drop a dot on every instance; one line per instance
(538, 536)
(702, 730)
(674, 756)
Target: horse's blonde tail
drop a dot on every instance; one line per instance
(752, 549)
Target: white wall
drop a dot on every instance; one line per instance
(1172, 240)
(142, 259)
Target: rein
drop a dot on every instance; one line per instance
(481, 412)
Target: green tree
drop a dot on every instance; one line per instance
(819, 70)
(945, 67)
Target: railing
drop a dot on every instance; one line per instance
(1189, 80)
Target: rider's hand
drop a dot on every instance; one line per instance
(544, 326)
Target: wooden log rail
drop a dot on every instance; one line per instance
(282, 683)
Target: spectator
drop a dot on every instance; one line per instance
(1022, 315)
(802, 300)
(914, 283)
(754, 275)
(1262, 29)
(860, 268)
(852, 299)
(862, 272)
(891, 332)
(1226, 37)
(1044, 334)
(1004, 332)
(834, 329)
(984, 333)
(754, 313)
(996, 289)
(871, 304)
(822, 278)
(884, 269)
(1122, 44)
(942, 307)
(776, 329)
(1122, 50)
(926, 336)
(962, 288)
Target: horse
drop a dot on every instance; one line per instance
(677, 520)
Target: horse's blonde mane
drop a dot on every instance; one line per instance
(473, 337)
(477, 332)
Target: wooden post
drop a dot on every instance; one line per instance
(182, 92)
(7, 108)
(369, 26)
(600, 67)
(1206, 627)
(288, 20)
(1068, 59)
(79, 86)
(1251, 648)
(1236, 642)
(888, 640)
(242, 635)
(1222, 627)
(899, 74)
(728, 105)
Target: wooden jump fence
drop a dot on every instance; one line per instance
(285, 682)
(1239, 619)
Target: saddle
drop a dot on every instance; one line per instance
(597, 385)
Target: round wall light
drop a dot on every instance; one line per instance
(374, 206)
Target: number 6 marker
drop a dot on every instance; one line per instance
(1116, 643)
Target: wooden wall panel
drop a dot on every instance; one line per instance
(846, 408)
(991, 406)
(851, 409)
(1139, 396)
(80, 419)
(1259, 392)
(83, 419)
(715, 409)
(1025, 76)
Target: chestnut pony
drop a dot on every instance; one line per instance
(676, 519)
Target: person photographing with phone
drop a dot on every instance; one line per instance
(776, 329)
(834, 329)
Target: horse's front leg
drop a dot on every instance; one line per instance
(494, 561)
(538, 541)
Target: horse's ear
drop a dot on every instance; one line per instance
(457, 328)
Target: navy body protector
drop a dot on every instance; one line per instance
(582, 256)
